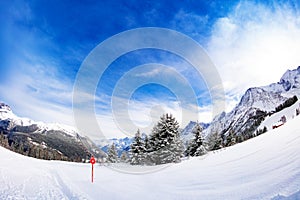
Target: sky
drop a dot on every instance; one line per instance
(43, 45)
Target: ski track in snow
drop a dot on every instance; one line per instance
(265, 167)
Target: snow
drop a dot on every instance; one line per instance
(264, 167)
(58, 127)
(7, 114)
(289, 113)
(261, 98)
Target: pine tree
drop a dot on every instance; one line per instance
(137, 150)
(2, 138)
(165, 143)
(265, 129)
(124, 157)
(112, 154)
(21, 148)
(230, 139)
(196, 146)
(240, 138)
(215, 141)
(147, 148)
(178, 149)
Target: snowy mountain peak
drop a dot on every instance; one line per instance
(256, 103)
(12, 120)
(251, 95)
(219, 116)
(290, 79)
(188, 129)
(260, 98)
(4, 107)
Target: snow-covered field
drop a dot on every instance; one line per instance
(261, 168)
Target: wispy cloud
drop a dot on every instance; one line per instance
(153, 72)
(190, 23)
(255, 44)
(39, 96)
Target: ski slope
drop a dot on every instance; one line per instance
(264, 167)
(289, 113)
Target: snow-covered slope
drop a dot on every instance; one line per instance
(264, 167)
(289, 114)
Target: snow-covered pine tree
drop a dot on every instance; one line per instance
(265, 129)
(147, 142)
(196, 146)
(178, 149)
(230, 138)
(137, 150)
(112, 154)
(214, 141)
(147, 148)
(124, 157)
(165, 143)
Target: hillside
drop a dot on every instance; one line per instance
(264, 167)
(42, 140)
(289, 114)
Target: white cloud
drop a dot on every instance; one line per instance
(254, 45)
(37, 93)
(151, 73)
(189, 23)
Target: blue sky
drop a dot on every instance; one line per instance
(43, 44)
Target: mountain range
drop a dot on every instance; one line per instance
(46, 141)
(256, 104)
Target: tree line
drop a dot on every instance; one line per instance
(289, 102)
(164, 144)
(34, 150)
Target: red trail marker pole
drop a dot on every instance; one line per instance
(92, 161)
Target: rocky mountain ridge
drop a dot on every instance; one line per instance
(256, 104)
(45, 141)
